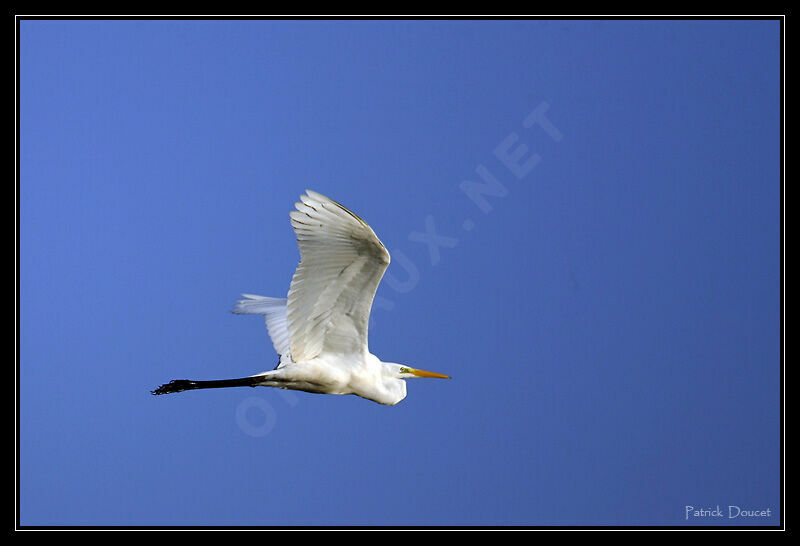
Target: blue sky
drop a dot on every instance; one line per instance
(610, 311)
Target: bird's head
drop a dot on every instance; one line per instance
(401, 371)
(393, 386)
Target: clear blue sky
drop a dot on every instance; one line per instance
(609, 310)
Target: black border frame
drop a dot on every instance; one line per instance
(19, 18)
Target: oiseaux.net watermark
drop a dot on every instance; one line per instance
(512, 161)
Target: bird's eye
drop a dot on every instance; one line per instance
(404, 370)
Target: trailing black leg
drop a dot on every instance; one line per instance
(180, 385)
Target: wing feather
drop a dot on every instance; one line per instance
(274, 311)
(342, 262)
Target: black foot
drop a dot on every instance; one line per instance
(176, 385)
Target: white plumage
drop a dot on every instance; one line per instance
(321, 329)
(274, 310)
(341, 263)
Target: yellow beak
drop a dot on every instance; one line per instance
(423, 373)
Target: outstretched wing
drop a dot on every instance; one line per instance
(274, 311)
(342, 262)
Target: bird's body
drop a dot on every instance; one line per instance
(320, 329)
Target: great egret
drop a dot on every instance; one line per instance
(320, 329)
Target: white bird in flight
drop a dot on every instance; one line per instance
(320, 329)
